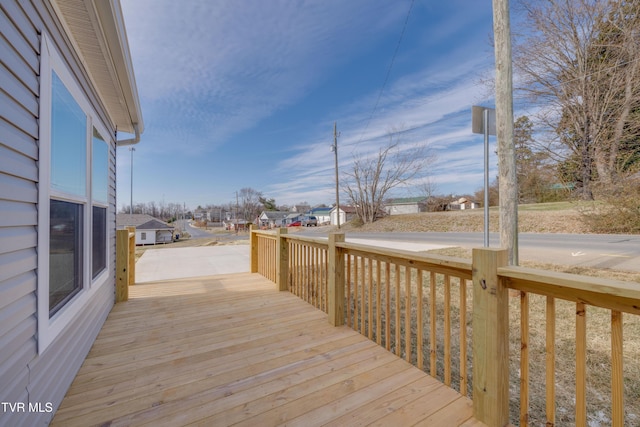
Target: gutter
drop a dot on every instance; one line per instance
(130, 141)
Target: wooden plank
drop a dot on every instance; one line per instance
(420, 326)
(407, 314)
(219, 358)
(550, 361)
(611, 294)
(581, 364)
(463, 337)
(447, 330)
(524, 359)
(433, 342)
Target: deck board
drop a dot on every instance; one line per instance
(232, 350)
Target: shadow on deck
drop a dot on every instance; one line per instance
(232, 350)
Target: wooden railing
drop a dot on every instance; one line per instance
(125, 262)
(425, 308)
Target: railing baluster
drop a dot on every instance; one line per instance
(349, 311)
(433, 344)
(387, 295)
(362, 296)
(463, 336)
(397, 270)
(356, 320)
(524, 359)
(407, 314)
(370, 291)
(550, 350)
(447, 330)
(420, 328)
(581, 368)
(378, 308)
(617, 383)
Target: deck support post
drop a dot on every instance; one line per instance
(253, 254)
(282, 260)
(336, 280)
(125, 262)
(132, 255)
(490, 338)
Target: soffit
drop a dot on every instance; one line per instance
(104, 53)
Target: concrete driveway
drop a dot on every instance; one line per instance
(176, 263)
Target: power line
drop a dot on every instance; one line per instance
(386, 78)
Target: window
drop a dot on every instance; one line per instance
(99, 190)
(65, 253)
(73, 238)
(143, 236)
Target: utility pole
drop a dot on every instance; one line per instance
(504, 126)
(237, 209)
(334, 148)
(132, 149)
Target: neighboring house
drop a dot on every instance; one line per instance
(301, 209)
(68, 89)
(407, 205)
(347, 213)
(233, 224)
(272, 219)
(149, 230)
(292, 217)
(462, 204)
(202, 215)
(322, 214)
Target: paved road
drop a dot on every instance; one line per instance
(607, 251)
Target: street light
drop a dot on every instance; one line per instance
(334, 148)
(132, 149)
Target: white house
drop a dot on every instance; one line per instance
(149, 230)
(322, 214)
(346, 214)
(272, 219)
(68, 100)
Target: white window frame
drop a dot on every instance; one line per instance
(51, 327)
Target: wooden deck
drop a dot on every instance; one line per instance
(232, 350)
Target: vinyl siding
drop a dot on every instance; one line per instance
(26, 376)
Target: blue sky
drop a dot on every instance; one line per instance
(244, 93)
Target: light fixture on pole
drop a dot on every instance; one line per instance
(334, 148)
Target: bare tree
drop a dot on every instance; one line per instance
(371, 178)
(250, 205)
(579, 63)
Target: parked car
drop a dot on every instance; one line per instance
(295, 224)
(310, 220)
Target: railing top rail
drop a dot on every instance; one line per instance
(439, 263)
(606, 293)
(318, 241)
(265, 233)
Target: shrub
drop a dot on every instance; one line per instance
(617, 209)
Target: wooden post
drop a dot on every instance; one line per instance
(490, 338)
(282, 260)
(132, 255)
(504, 130)
(336, 280)
(122, 265)
(253, 257)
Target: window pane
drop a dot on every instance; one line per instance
(99, 168)
(65, 253)
(99, 239)
(68, 141)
